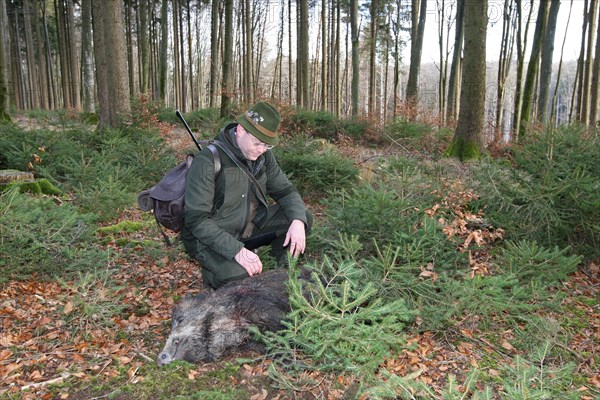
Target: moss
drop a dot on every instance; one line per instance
(123, 226)
(48, 188)
(41, 186)
(463, 149)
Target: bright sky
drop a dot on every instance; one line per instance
(494, 33)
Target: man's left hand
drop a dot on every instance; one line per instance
(296, 238)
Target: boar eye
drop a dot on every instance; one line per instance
(176, 341)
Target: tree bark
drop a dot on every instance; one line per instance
(215, 17)
(355, 57)
(111, 63)
(453, 80)
(468, 138)
(164, 42)
(547, 56)
(587, 78)
(504, 64)
(143, 45)
(374, 11)
(532, 69)
(87, 68)
(227, 60)
(593, 117)
(4, 115)
(303, 58)
(416, 48)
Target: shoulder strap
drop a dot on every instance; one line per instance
(237, 162)
(216, 158)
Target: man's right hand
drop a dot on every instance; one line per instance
(249, 261)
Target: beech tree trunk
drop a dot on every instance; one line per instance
(468, 137)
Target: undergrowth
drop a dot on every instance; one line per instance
(384, 263)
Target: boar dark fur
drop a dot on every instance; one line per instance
(214, 324)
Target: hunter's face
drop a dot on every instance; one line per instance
(251, 147)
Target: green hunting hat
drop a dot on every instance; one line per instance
(262, 121)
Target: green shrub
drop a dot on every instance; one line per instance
(318, 124)
(530, 262)
(340, 325)
(402, 128)
(550, 193)
(315, 167)
(37, 236)
(104, 169)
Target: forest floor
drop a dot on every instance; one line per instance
(55, 343)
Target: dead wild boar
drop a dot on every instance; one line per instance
(211, 325)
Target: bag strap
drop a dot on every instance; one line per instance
(223, 147)
(216, 158)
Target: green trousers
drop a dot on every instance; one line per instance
(218, 270)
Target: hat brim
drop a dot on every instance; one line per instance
(256, 133)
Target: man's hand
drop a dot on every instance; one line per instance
(249, 261)
(296, 238)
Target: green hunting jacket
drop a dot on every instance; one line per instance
(216, 208)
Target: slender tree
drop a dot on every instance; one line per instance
(419, 13)
(4, 116)
(504, 64)
(164, 42)
(546, 64)
(87, 68)
(303, 91)
(594, 89)
(215, 16)
(40, 58)
(374, 13)
(468, 137)
(453, 79)
(355, 56)
(143, 45)
(521, 46)
(587, 69)
(227, 60)
(532, 69)
(554, 114)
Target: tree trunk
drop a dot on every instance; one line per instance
(468, 138)
(4, 116)
(111, 63)
(87, 68)
(547, 56)
(303, 58)
(532, 69)
(593, 117)
(192, 95)
(578, 89)
(249, 53)
(374, 11)
(453, 80)
(521, 46)
(324, 56)
(227, 60)
(101, 65)
(504, 63)
(32, 73)
(214, 50)
(143, 45)
(41, 61)
(554, 114)
(396, 28)
(587, 77)
(416, 49)
(163, 57)
(355, 57)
